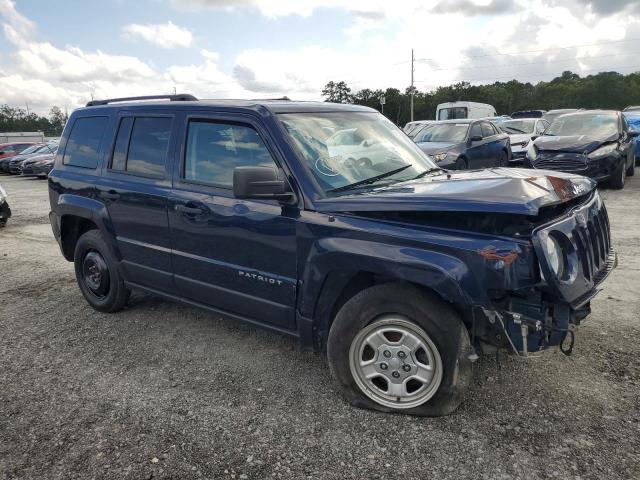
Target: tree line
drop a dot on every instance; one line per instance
(14, 119)
(609, 90)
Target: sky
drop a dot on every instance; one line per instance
(65, 53)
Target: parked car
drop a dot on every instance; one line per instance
(632, 108)
(551, 115)
(15, 163)
(403, 272)
(38, 165)
(465, 144)
(412, 128)
(521, 132)
(11, 149)
(528, 114)
(594, 143)
(460, 110)
(4, 162)
(497, 121)
(633, 119)
(5, 211)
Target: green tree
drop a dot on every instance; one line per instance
(337, 92)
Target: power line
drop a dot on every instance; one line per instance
(560, 60)
(524, 52)
(513, 77)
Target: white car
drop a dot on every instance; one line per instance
(521, 131)
(349, 146)
(412, 128)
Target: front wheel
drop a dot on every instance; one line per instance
(619, 176)
(631, 171)
(97, 273)
(396, 348)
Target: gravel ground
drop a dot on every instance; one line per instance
(166, 391)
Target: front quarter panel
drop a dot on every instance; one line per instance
(459, 266)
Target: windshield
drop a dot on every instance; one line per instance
(443, 132)
(518, 126)
(344, 148)
(31, 149)
(633, 119)
(597, 125)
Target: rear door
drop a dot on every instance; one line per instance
(238, 256)
(135, 186)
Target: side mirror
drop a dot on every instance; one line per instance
(533, 137)
(475, 138)
(260, 183)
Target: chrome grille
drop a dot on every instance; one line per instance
(593, 243)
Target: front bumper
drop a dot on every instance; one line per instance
(37, 170)
(5, 212)
(599, 169)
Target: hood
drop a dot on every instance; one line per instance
(574, 143)
(497, 190)
(36, 158)
(436, 147)
(520, 137)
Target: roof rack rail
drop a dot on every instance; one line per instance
(181, 97)
(271, 99)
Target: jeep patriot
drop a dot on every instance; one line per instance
(325, 222)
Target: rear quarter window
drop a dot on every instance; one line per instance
(83, 144)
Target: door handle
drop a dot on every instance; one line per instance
(110, 195)
(189, 210)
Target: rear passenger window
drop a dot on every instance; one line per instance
(215, 149)
(141, 145)
(83, 145)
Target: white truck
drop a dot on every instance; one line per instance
(454, 110)
(14, 137)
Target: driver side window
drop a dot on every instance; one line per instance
(476, 131)
(215, 149)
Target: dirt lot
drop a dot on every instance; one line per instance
(165, 391)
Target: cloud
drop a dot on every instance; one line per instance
(609, 7)
(471, 8)
(166, 35)
(247, 79)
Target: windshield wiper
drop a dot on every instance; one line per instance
(368, 181)
(427, 172)
(515, 129)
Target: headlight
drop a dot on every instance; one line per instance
(554, 256)
(603, 151)
(532, 151)
(520, 144)
(438, 157)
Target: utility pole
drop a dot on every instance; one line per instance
(412, 69)
(27, 104)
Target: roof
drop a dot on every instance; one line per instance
(594, 112)
(274, 106)
(460, 120)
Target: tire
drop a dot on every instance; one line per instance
(503, 159)
(106, 291)
(397, 308)
(619, 176)
(462, 164)
(631, 171)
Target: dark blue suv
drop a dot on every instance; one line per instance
(325, 222)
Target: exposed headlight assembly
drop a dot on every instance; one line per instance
(604, 151)
(532, 151)
(560, 255)
(438, 157)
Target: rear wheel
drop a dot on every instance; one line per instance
(396, 348)
(97, 274)
(503, 159)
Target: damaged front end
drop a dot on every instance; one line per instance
(5, 211)
(574, 256)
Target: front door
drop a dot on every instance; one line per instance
(493, 145)
(476, 148)
(238, 256)
(135, 186)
